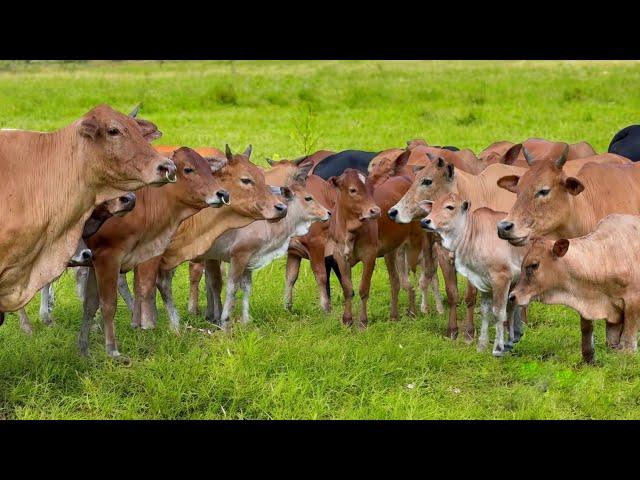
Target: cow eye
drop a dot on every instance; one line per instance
(544, 192)
(450, 207)
(188, 170)
(532, 267)
(246, 181)
(352, 190)
(113, 132)
(426, 182)
(308, 198)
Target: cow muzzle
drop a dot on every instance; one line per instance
(167, 171)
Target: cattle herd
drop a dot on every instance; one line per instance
(538, 220)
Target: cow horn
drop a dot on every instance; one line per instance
(299, 160)
(248, 151)
(271, 162)
(563, 158)
(528, 157)
(227, 151)
(134, 112)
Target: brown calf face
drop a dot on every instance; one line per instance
(119, 206)
(198, 185)
(430, 182)
(287, 172)
(445, 214)
(540, 270)
(118, 148)
(355, 199)
(245, 182)
(542, 204)
(312, 210)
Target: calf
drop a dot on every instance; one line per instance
(491, 265)
(253, 200)
(98, 157)
(595, 274)
(255, 246)
(353, 233)
(124, 242)
(119, 206)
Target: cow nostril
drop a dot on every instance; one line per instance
(393, 213)
(86, 254)
(124, 200)
(329, 212)
(505, 226)
(512, 297)
(223, 195)
(281, 207)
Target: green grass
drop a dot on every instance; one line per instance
(305, 364)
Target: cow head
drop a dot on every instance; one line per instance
(384, 166)
(198, 185)
(540, 271)
(447, 215)
(120, 206)
(286, 172)
(431, 180)
(82, 256)
(245, 182)
(543, 203)
(118, 150)
(355, 199)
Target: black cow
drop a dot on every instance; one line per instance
(627, 143)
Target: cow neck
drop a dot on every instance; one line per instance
(163, 208)
(344, 227)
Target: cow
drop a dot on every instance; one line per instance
(253, 247)
(353, 233)
(511, 153)
(98, 157)
(123, 242)
(595, 274)
(550, 200)
(253, 200)
(626, 143)
(82, 258)
(490, 264)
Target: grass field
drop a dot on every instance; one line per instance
(305, 364)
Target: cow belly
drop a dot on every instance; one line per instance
(264, 258)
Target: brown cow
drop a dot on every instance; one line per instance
(596, 274)
(119, 206)
(491, 265)
(253, 200)
(98, 157)
(123, 242)
(462, 159)
(353, 233)
(253, 247)
(510, 153)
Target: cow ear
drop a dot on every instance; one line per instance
(465, 205)
(89, 128)
(510, 182)
(287, 193)
(417, 168)
(149, 130)
(402, 159)
(511, 155)
(216, 163)
(426, 206)
(560, 247)
(450, 171)
(573, 185)
(441, 162)
(302, 172)
(335, 181)
(248, 151)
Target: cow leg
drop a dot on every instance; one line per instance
(246, 284)
(451, 286)
(25, 323)
(213, 282)
(511, 309)
(90, 306)
(145, 280)
(321, 273)
(429, 275)
(500, 286)
(470, 301)
(407, 261)
(164, 284)
(46, 304)
(293, 269)
(368, 264)
(234, 280)
(196, 269)
(519, 319)
(614, 330)
(347, 287)
(390, 260)
(485, 308)
(125, 293)
(629, 337)
(588, 350)
(107, 267)
(81, 275)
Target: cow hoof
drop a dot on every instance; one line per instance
(453, 334)
(508, 346)
(468, 337)
(482, 347)
(347, 320)
(362, 326)
(393, 318)
(498, 353)
(148, 326)
(411, 313)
